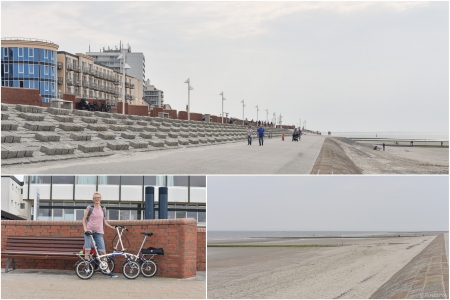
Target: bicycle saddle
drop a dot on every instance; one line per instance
(147, 233)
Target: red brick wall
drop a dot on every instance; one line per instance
(214, 119)
(138, 110)
(11, 95)
(178, 237)
(201, 249)
(183, 115)
(172, 113)
(155, 110)
(71, 97)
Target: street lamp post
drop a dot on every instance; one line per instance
(221, 94)
(267, 115)
(125, 66)
(190, 88)
(274, 120)
(257, 109)
(243, 105)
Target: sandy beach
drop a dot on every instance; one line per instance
(355, 270)
(395, 160)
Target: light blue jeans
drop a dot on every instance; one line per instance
(98, 238)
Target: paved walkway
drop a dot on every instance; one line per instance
(275, 157)
(58, 284)
(424, 277)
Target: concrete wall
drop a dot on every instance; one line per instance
(11, 95)
(178, 237)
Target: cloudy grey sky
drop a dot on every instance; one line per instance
(344, 203)
(341, 66)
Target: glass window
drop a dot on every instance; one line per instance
(46, 70)
(124, 214)
(113, 214)
(132, 180)
(86, 179)
(79, 214)
(5, 52)
(68, 213)
(108, 180)
(6, 68)
(22, 205)
(180, 214)
(63, 179)
(171, 214)
(134, 213)
(149, 180)
(52, 54)
(20, 68)
(53, 70)
(53, 86)
(45, 53)
(202, 214)
(20, 52)
(30, 52)
(192, 214)
(41, 179)
(198, 181)
(45, 214)
(46, 85)
(30, 69)
(180, 180)
(57, 212)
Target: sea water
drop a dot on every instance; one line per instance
(431, 136)
(239, 235)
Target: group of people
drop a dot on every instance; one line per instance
(260, 132)
(84, 104)
(258, 123)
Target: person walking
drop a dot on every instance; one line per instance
(261, 135)
(249, 135)
(384, 145)
(93, 221)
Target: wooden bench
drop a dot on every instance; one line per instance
(41, 247)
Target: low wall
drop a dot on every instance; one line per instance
(178, 237)
(12, 95)
(201, 249)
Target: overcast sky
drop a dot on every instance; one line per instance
(339, 203)
(341, 66)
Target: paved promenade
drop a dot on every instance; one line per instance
(275, 157)
(424, 277)
(58, 284)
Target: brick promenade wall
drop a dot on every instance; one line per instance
(178, 237)
(70, 97)
(155, 110)
(183, 115)
(11, 95)
(137, 110)
(201, 249)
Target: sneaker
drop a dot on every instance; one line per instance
(112, 275)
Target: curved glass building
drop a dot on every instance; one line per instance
(30, 63)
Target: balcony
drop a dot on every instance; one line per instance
(86, 70)
(94, 72)
(69, 81)
(116, 95)
(60, 66)
(95, 86)
(76, 82)
(69, 67)
(60, 80)
(76, 68)
(129, 97)
(85, 84)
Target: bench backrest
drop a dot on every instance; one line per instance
(38, 243)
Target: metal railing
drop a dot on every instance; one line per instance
(60, 80)
(59, 66)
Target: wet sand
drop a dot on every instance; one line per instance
(355, 270)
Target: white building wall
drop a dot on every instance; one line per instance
(12, 199)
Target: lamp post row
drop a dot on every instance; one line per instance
(190, 88)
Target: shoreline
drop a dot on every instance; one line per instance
(354, 271)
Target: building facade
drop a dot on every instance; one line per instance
(109, 58)
(152, 96)
(80, 75)
(66, 197)
(30, 63)
(13, 206)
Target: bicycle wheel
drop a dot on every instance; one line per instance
(84, 269)
(130, 269)
(111, 266)
(149, 268)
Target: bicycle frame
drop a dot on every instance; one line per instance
(134, 256)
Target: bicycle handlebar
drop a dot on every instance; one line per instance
(88, 232)
(120, 227)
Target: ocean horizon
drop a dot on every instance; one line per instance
(238, 235)
(432, 136)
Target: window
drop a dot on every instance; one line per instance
(20, 68)
(68, 213)
(39, 179)
(22, 205)
(52, 55)
(113, 213)
(108, 180)
(132, 180)
(86, 180)
(63, 179)
(5, 52)
(46, 70)
(149, 180)
(181, 213)
(46, 86)
(198, 181)
(53, 70)
(30, 52)
(20, 52)
(45, 53)
(53, 86)
(57, 212)
(30, 69)
(180, 180)
(31, 84)
(6, 68)
(12, 188)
